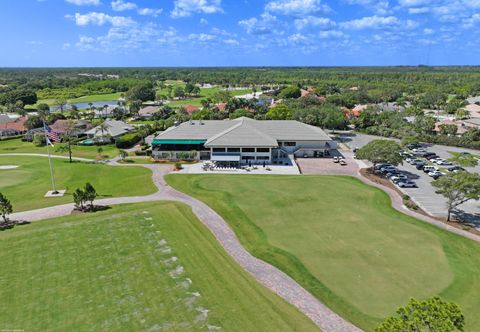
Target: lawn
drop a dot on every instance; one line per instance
(344, 242)
(93, 98)
(90, 152)
(26, 185)
(144, 267)
(204, 93)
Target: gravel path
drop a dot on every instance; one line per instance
(268, 275)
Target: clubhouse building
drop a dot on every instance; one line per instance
(242, 141)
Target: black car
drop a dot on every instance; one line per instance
(420, 165)
(456, 169)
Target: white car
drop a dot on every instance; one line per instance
(444, 162)
(437, 161)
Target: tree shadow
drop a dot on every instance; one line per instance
(467, 218)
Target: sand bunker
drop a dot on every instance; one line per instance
(8, 166)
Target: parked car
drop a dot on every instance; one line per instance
(389, 169)
(428, 168)
(414, 146)
(407, 184)
(456, 169)
(420, 165)
(435, 174)
(343, 162)
(399, 178)
(444, 162)
(380, 165)
(431, 156)
(335, 159)
(437, 161)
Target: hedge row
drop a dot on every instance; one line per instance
(127, 140)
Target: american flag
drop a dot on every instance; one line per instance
(52, 135)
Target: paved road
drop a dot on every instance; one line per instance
(268, 275)
(425, 195)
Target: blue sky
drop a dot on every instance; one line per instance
(239, 32)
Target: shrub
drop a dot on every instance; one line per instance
(178, 166)
(127, 140)
(140, 153)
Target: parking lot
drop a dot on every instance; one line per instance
(424, 195)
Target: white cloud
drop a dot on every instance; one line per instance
(261, 26)
(331, 34)
(84, 2)
(120, 5)
(184, 8)
(379, 7)
(95, 18)
(313, 21)
(418, 10)
(371, 22)
(297, 7)
(202, 37)
(428, 31)
(203, 21)
(413, 3)
(149, 12)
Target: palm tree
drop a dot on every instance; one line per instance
(102, 128)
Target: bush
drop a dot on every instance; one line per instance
(140, 153)
(178, 166)
(127, 140)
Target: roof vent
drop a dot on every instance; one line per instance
(176, 123)
(201, 122)
(191, 122)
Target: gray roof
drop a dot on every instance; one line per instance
(114, 128)
(5, 118)
(244, 132)
(474, 121)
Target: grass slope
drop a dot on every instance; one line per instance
(112, 271)
(344, 242)
(90, 152)
(26, 185)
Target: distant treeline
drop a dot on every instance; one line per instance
(377, 81)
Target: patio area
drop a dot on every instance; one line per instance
(208, 167)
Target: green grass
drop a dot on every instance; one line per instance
(204, 93)
(93, 98)
(90, 152)
(344, 242)
(26, 185)
(107, 272)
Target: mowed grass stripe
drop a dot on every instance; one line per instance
(26, 185)
(105, 272)
(343, 241)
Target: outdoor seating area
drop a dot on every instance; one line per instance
(216, 167)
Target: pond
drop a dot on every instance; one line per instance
(86, 105)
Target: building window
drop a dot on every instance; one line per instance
(233, 150)
(289, 143)
(248, 158)
(263, 158)
(218, 149)
(248, 149)
(263, 150)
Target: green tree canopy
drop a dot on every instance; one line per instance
(279, 112)
(432, 315)
(5, 207)
(290, 92)
(143, 92)
(458, 188)
(381, 151)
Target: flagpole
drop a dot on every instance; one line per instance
(49, 160)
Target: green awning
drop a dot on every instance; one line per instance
(178, 141)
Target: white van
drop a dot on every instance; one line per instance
(428, 169)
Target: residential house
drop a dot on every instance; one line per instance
(14, 127)
(148, 111)
(113, 129)
(79, 127)
(190, 109)
(243, 140)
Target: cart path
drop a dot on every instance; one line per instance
(266, 274)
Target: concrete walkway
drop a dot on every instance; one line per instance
(268, 275)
